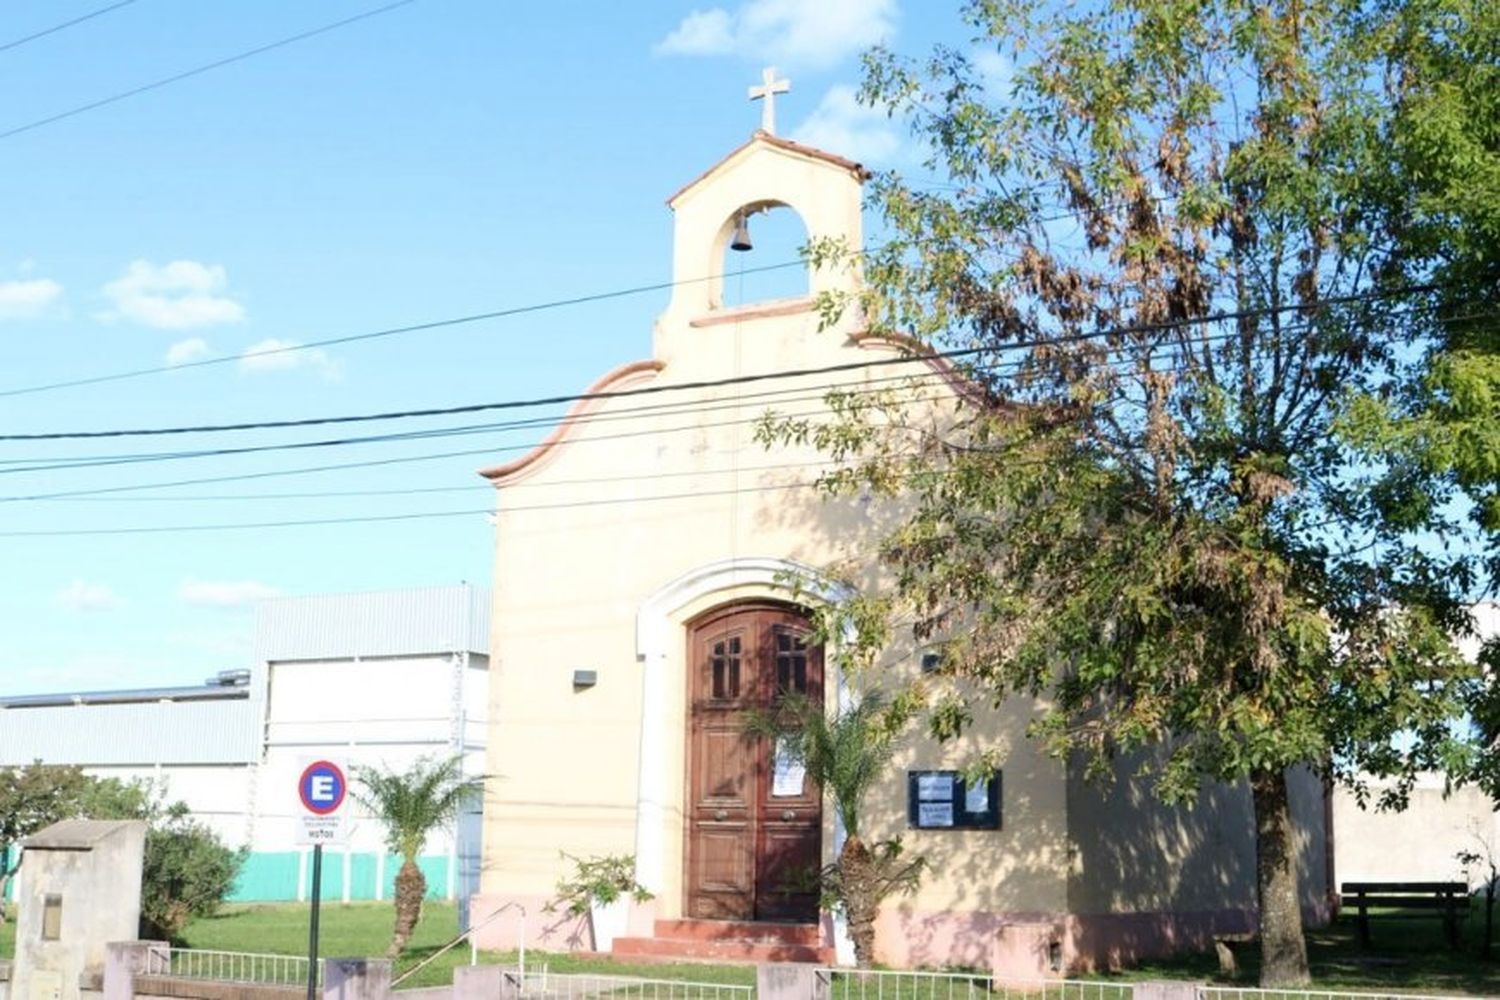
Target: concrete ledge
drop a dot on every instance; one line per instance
(209, 989)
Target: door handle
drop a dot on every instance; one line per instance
(721, 814)
(788, 814)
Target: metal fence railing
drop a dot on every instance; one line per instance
(1249, 993)
(237, 966)
(538, 984)
(882, 984)
(828, 983)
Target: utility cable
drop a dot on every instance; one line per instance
(694, 407)
(367, 518)
(906, 358)
(66, 24)
(475, 487)
(196, 71)
(372, 335)
(685, 407)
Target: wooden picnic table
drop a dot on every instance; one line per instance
(1449, 899)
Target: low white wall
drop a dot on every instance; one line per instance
(1419, 844)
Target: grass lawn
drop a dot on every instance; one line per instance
(362, 929)
(1404, 955)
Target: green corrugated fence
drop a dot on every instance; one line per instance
(273, 876)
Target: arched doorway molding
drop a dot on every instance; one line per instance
(660, 637)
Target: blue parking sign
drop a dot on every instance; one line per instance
(322, 787)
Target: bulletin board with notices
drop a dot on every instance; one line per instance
(945, 800)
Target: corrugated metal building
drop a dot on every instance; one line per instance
(198, 744)
(377, 679)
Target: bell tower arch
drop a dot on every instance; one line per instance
(768, 172)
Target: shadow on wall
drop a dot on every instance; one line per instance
(1106, 871)
(1149, 879)
(990, 895)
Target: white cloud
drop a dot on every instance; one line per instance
(180, 295)
(80, 595)
(275, 355)
(701, 33)
(29, 298)
(789, 33)
(184, 351)
(228, 594)
(842, 125)
(995, 72)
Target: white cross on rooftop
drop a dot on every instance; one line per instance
(769, 88)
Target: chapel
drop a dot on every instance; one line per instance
(655, 565)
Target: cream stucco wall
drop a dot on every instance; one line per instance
(640, 492)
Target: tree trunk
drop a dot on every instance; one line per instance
(1283, 951)
(411, 888)
(856, 874)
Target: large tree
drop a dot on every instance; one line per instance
(1440, 204)
(1162, 256)
(411, 804)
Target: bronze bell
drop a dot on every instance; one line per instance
(741, 239)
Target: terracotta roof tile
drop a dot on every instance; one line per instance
(858, 170)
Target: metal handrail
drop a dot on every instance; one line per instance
(473, 949)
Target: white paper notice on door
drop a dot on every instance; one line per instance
(788, 774)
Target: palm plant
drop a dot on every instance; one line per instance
(846, 754)
(411, 804)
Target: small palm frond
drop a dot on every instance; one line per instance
(845, 753)
(412, 803)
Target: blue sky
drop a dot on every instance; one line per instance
(444, 158)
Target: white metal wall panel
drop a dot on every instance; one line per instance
(156, 732)
(381, 623)
(218, 795)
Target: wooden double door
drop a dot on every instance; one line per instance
(755, 819)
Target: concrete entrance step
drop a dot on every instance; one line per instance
(740, 930)
(730, 941)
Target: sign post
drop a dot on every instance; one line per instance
(322, 789)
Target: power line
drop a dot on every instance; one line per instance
(685, 407)
(422, 490)
(367, 518)
(66, 24)
(489, 451)
(245, 476)
(643, 390)
(372, 335)
(216, 64)
(340, 466)
(665, 409)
